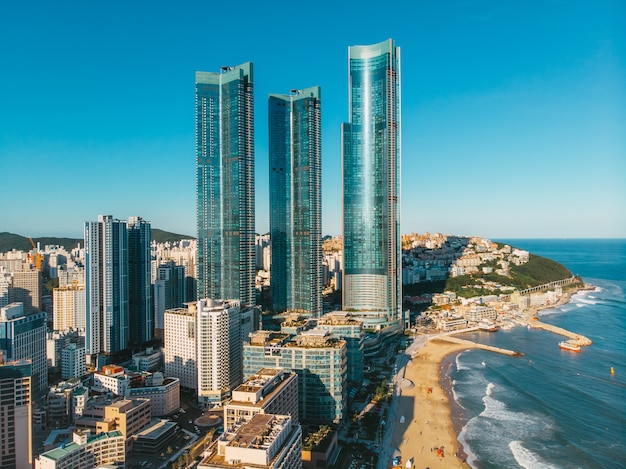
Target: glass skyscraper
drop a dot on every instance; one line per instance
(141, 316)
(371, 183)
(225, 183)
(295, 201)
(106, 285)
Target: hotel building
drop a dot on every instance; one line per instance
(371, 185)
(225, 183)
(270, 391)
(317, 357)
(295, 201)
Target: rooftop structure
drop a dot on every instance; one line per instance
(266, 441)
(270, 391)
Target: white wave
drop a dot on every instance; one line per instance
(580, 305)
(471, 457)
(588, 302)
(455, 396)
(489, 389)
(527, 459)
(459, 366)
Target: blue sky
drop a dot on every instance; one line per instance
(513, 113)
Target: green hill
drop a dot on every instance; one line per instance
(9, 241)
(537, 271)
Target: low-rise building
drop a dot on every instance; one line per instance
(148, 360)
(86, 451)
(163, 393)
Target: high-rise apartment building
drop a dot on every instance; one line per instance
(23, 337)
(16, 415)
(219, 349)
(179, 351)
(371, 183)
(69, 307)
(141, 320)
(295, 201)
(106, 285)
(117, 284)
(225, 183)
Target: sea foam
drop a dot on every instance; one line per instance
(527, 459)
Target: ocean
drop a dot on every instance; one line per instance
(551, 408)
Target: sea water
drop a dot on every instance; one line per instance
(552, 408)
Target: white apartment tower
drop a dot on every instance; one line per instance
(180, 345)
(219, 346)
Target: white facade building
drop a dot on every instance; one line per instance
(85, 452)
(180, 345)
(219, 346)
(73, 362)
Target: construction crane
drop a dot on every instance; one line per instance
(37, 255)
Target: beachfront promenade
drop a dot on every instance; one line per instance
(402, 359)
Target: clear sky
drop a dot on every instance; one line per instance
(513, 112)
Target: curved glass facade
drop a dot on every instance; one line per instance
(225, 183)
(295, 201)
(371, 182)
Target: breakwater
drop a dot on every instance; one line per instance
(470, 344)
(576, 338)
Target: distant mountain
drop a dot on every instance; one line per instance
(161, 236)
(9, 241)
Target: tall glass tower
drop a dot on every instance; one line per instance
(371, 183)
(106, 285)
(295, 201)
(225, 183)
(141, 326)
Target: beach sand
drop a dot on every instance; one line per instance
(425, 406)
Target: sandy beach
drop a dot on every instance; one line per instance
(425, 407)
(424, 421)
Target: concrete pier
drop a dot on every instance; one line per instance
(576, 338)
(471, 344)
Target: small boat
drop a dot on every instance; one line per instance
(568, 345)
(486, 325)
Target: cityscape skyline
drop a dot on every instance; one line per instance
(512, 116)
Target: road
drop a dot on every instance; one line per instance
(402, 359)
